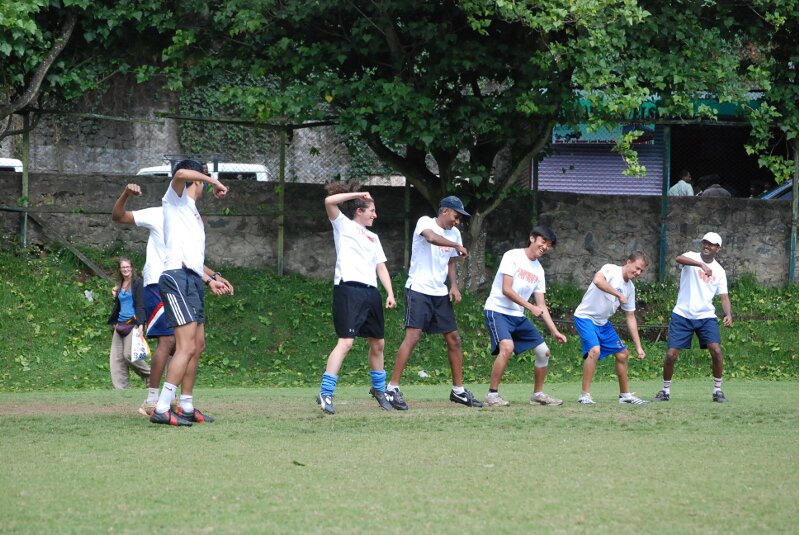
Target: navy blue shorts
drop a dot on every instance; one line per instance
(593, 335)
(518, 329)
(681, 331)
(183, 294)
(432, 313)
(154, 310)
(357, 311)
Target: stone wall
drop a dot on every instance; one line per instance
(592, 229)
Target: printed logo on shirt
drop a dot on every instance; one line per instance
(705, 278)
(527, 276)
(367, 236)
(445, 250)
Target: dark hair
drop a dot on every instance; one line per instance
(637, 255)
(192, 165)
(685, 172)
(348, 207)
(545, 232)
(120, 260)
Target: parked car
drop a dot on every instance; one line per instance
(10, 165)
(227, 171)
(782, 192)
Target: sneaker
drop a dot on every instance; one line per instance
(493, 399)
(169, 418)
(196, 416)
(326, 403)
(381, 397)
(662, 396)
(719, 397)
(543, 399)
(631, 399)
(586, 399)
(395, 397)
(465, 398)
(147, 408)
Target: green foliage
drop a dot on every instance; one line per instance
(278, 330)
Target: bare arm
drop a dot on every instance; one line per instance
(508, 291)
(539, 298)
(686, 261)
(633, 328)
(434, 239)
(332, 202)
(386, 281)
(219, 285)
(187, 175)
(601, 282)
(726, 309)
(119, 214)
(455, 293)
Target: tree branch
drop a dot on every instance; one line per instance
(35, 85)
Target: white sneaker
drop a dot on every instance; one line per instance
(543, 399)
(493, 399)
(586, 399)
(631, 399)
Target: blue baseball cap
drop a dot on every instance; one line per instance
(454, 203)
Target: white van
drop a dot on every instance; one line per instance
(10, 165)
(227, 171)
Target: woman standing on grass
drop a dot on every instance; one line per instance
(128, 312)
(357, 307)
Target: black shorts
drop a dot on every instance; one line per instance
(357, 311)
(432, 313)
(183, 294)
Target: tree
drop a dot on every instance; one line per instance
(53, 51)
(460, 97)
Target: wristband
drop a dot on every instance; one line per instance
(214, 276)
(208, 281)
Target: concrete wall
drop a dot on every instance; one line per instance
(592, 230)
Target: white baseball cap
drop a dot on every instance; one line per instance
(713, 238)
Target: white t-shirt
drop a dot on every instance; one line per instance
(598, 305)
(184, 235)
(681, 189)
(358, 252)
(528, 278)
(428, 270)
(153, 220)
(697, 291)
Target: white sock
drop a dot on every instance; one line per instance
(390, 386)
(152, 395)
(624, 395)
(458, 389)
(717, 384)
(667, 384)
(186, 403)
(166, 397)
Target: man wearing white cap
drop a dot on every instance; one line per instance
(701, 279)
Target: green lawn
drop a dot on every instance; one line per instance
(86, 462)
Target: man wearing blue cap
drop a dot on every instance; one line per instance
(429, 304)
(701, 279)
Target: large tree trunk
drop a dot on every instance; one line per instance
(472, 273)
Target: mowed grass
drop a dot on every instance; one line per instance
(86, 462)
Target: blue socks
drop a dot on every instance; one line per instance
(328, 384)
(378, 378)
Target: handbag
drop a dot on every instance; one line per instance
(140, 349)
(124, 329)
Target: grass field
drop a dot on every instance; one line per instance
(85, 462)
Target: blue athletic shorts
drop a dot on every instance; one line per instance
(357, 311)
(592, 335)
(518, 329)
(154, 310)
(682, 329)
(183, 294)
(432, 313)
